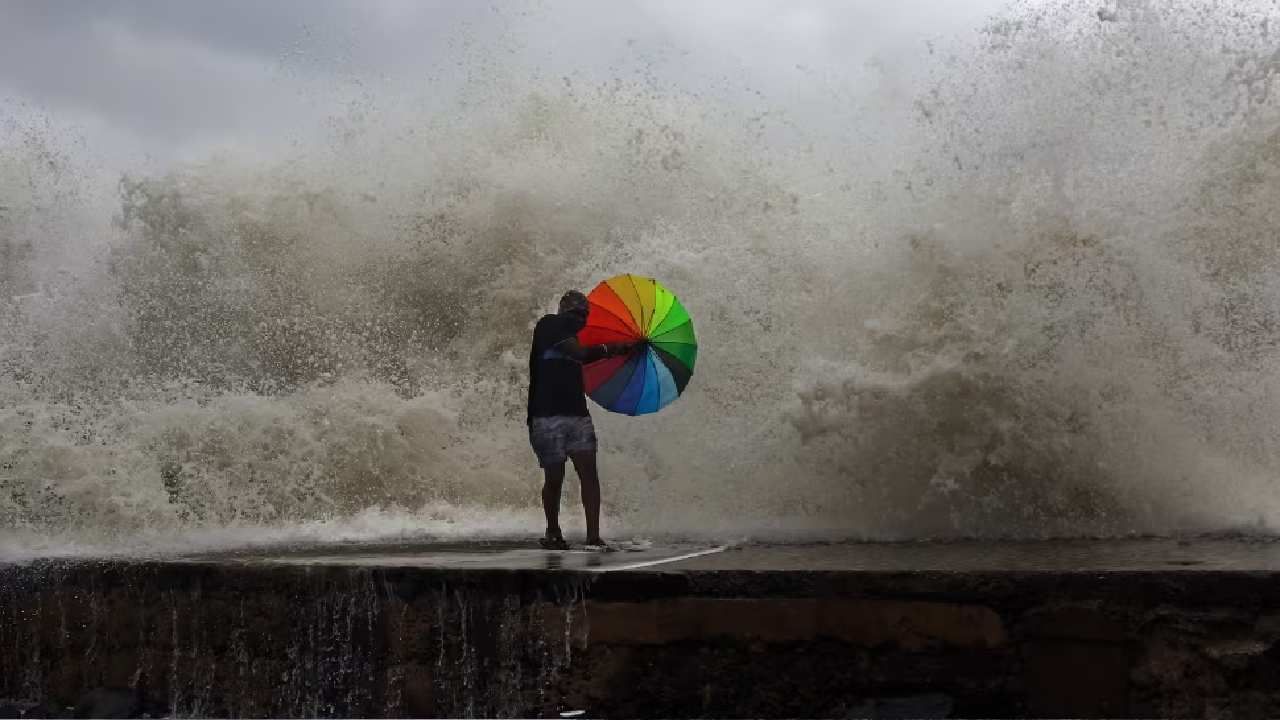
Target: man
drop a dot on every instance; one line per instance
(559, 425)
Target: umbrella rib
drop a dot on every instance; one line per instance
(642, 368)
(631, 376)
(665, 380)
(614, 314)
(651, 373)
(625, 382)
(641, 322)
(624, 281)
(677, 321)
(680, 371)
(600, 329)
(658, 338)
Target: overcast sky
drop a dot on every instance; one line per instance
(172, 79)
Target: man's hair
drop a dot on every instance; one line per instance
(573, 301)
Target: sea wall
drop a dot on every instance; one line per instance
(241, 639)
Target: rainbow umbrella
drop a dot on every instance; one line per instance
(632, 308)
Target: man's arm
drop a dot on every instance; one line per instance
(591, 353)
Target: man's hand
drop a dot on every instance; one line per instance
(584, 355)
(620, 348)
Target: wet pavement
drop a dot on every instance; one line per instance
(489, 555)
(1056, 556)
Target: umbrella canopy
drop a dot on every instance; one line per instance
(633, 308)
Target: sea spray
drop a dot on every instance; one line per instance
(1030, 290)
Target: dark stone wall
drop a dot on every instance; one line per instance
(257, 640)
(253, 641)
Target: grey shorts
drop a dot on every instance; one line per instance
(553, 438)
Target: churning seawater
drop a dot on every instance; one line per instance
(1028, 287)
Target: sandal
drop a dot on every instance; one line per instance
(553, 543)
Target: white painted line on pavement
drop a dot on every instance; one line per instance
(661, 561)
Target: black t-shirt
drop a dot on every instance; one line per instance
(555, 380)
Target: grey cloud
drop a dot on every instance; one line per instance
(174, 73)
(169, 71)
(240, 26)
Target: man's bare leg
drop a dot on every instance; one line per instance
(584, 463)
(552, 482)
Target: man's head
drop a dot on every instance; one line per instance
(574, 304)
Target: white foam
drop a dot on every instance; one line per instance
(1033, 295)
